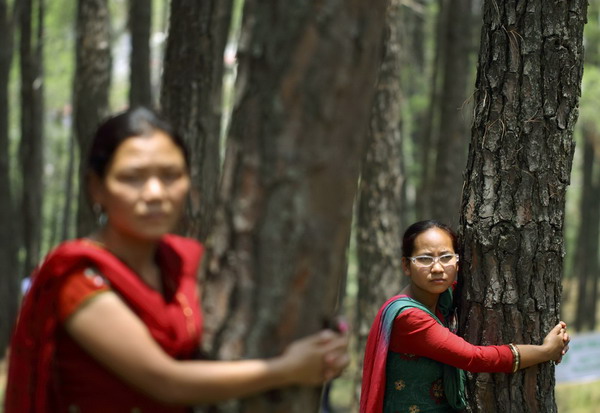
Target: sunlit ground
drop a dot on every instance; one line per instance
(578, 398)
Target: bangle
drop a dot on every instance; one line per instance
(516, 357)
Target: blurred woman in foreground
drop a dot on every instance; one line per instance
(112, 321)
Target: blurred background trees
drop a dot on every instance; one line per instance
(65, 65)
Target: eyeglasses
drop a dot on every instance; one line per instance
(428, 261)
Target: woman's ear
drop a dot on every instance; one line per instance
(406, 266)
(95, 188)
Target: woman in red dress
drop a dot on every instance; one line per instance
(413, 361)
(111, 322)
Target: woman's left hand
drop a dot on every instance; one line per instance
(566, 340)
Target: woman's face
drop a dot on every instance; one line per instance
(437, 278)
(145, 187)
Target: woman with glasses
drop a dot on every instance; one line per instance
(414, 361)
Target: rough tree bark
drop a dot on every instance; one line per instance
(381, 201)
(31, 146)
(9, 277)
(191, 97)
(586, 253)
(307, 75)
(140, 25)
(527, 92)
(452, 136)
(91, 87)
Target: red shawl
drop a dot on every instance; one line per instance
(376, 352)
(34, 341)
(373, 378)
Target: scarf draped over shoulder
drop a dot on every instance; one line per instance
(376, 351)
(34, 340)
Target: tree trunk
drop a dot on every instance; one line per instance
(67, 222)
(140, 25)
(191, 97)
(452, 141)
(380, 207)
(9, 278)
(425, 137)
(415, 84)
(307, 76)
(527, 92)
(586, 254)
(32, 128)
(91, 89)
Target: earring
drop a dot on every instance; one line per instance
(101, 217)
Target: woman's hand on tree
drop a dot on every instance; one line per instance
(557, 342)
(316, 359)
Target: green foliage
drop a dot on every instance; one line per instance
(590, 96)
(592, 34)
(59, 58)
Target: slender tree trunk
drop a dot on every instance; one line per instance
(9, 277)
(32, 128)
(528, 88)
(452, 140)
(67, 222)
(380, 207)
(91, 87)
(415, 84)
(191, 97)
(140, 25)
(586, 254)
(426, 139)
(307, 75)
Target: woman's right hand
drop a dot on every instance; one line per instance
(556, 342)
(316, 359)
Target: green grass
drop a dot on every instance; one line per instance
(578, 398)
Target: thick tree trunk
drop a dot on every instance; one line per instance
(32, 128)
(307, 75)
(452, 138)
(9, 277)
(140, 25)
(91, 89)
(586, 255)
(191, 97)
(528, 88)
(381, 202)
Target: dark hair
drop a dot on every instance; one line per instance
(133, 122)
(411, 233)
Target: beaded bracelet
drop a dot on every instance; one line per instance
(516, 357)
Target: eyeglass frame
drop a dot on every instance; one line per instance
(435, 260)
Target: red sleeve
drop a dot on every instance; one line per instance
(77, 288)
(416, 332)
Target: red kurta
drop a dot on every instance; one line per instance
(49, 372)
(415, 332)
